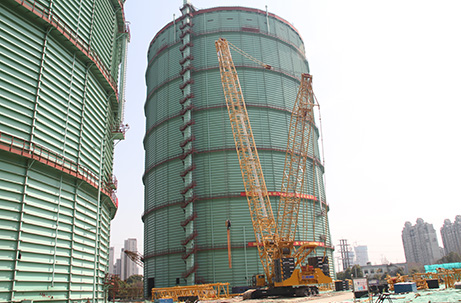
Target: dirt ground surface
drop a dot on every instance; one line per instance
(327, 297)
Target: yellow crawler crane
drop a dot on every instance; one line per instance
(262, 217)
(282, 263)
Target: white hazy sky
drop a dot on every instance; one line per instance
(387, 75)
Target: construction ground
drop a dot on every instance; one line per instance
(429, 295)
(443, 286)
(324, 297)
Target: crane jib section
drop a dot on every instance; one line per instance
(262, 217)
(299, 141)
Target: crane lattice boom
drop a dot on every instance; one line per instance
(299, 140)
(262, 217)
(282, 263)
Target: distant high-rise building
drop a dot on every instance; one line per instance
(124, 267)
(451, 235)
(127, 266)
(118, 267)
(111, 260)
(131, 268)
(123, 257)
(361, 255)
(420, 243)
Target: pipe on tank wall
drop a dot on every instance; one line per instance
(267, 21)
(174, 27)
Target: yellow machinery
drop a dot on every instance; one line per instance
(397, 279)
(197, 292)
(283, 266)
(447, 276)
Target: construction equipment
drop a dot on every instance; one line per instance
(393, 280)
(135, 257)
(112, 284)
(193, 293)
(228, 225)
(446, 276)
(450, 277)
(285, 273)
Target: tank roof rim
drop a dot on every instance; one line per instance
(226, 8)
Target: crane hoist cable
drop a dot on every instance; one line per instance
(241, 52)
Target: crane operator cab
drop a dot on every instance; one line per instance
(258, 281)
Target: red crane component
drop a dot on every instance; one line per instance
(135, 257)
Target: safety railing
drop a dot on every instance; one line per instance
(36, 152)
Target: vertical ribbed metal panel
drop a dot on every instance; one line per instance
(269, 95)
(58, 110)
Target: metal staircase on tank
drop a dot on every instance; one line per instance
(187, 174)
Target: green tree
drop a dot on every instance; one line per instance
(356, 270)
(134, 287)
(351, 272)
(450, 258)
(134, 279)
(122, 290)
(130, 289)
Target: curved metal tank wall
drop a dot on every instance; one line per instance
(60, 112)
(192, 179)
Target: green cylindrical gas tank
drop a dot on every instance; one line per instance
(192, 179)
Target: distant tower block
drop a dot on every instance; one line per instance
(192, 178)
(420, 243)
(361, 255)
(451, 235)
(61, 107)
